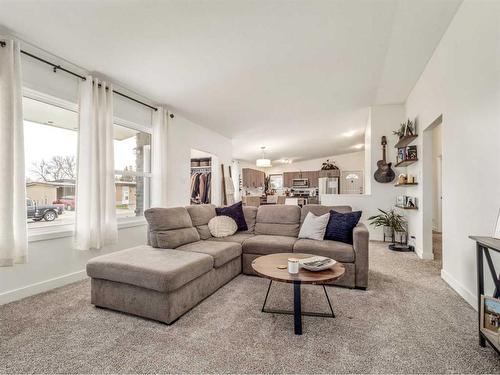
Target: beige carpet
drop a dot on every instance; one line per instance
(437, 247)
(409, 321)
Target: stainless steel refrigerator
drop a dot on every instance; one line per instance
(328, 185)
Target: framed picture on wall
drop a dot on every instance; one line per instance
(496, 234)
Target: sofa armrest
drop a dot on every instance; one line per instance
(361, 239)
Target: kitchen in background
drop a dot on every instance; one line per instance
(298, 187)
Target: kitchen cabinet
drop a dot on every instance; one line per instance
(330, 173)
(312, 176)
(287, 179)
(252, 178)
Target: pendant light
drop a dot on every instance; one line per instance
(263, 162)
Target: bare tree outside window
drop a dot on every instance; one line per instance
(56, 169)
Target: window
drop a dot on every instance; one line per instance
(276, 181)
(132, 171)
(50, 142)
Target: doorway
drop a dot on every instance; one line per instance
(351, 182)
(202, 179)
(437, 194)
(432, 195)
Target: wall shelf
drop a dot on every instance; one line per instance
(405, 163)
(407, 208)
(405, 141)
(407, 184)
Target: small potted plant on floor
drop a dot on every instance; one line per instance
(392, 223)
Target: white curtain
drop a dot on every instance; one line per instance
(161, 122)
(13, 227)
(95, 224)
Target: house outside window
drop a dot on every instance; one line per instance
(132, 170)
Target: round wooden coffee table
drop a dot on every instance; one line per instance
(267, 266)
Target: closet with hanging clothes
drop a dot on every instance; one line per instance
(201, 180)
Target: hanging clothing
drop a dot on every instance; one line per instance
(200, 187)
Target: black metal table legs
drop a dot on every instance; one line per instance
(297, 307)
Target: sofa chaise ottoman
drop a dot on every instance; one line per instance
(162, 284)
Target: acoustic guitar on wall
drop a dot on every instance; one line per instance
(384, 172)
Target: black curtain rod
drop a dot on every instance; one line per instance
(59, 67)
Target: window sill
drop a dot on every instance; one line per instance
(62, 231)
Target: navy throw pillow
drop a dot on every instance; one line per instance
(340, 226)
(236, 213)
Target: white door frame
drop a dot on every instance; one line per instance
(426, 203)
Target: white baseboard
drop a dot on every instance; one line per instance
(43, 286)
(469, 297)
(421, 254)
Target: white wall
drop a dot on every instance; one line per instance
(53, 263)
(184, 135)
(382, 121)
(462, 82)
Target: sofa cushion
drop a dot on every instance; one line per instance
(314, 227)
(222, 226)
(146, 267)
(266, 244)
(238, 237)
(168, 218)
(222, 252)
(332, 249)
(279, 220)
(200, 216)
(170, 227)
(236, 213)
(318, 210)
(341, 225)
(171, 239)
(250, 213)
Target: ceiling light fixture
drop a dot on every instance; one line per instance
(263, 162)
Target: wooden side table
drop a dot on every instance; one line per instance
(483, 247)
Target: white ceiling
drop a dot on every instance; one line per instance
(290, 75)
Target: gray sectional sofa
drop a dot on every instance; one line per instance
(183, 264)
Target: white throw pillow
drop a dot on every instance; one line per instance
(314, 227)
(222, 226)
